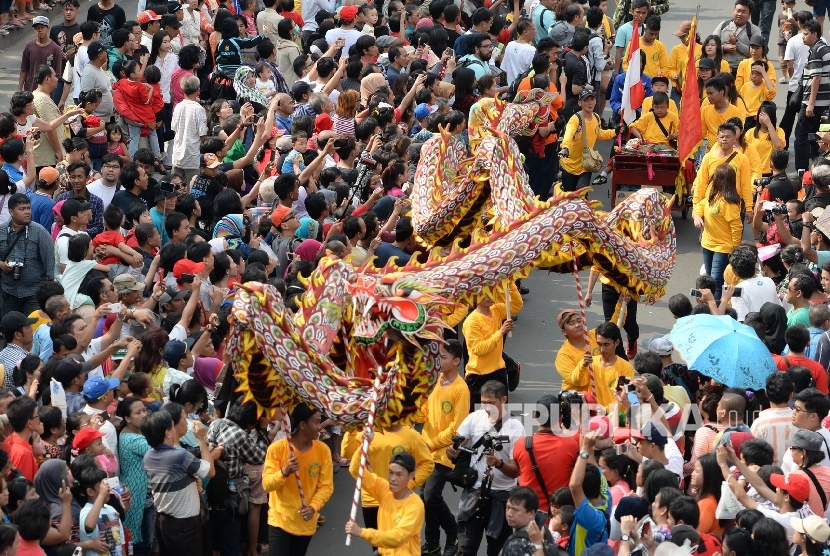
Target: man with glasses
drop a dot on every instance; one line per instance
(105, 187)
(17, 331)
(479, 60)
(809, 409)
(24, 420)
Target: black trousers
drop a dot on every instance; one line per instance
(470, 532)
(788, 119)
(179, 536)
(437, 513)
(541, 172)
(610, 297)
(475, 382)
(282, 543)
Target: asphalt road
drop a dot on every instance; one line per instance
(536, 338)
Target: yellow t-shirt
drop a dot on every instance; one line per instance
(722, 226)
(605, 379)
(745, 69)
(657, 59)
(711, 120)
(677, 64)
(763, 146)
(648, 101)
(710, 163)
(284, 498)
(753, 96)
(647, 125)
(573, 141)
(755, 168)
(484, 342)
(384, 445)
(445, 409)
(399, 521)
(569, 360)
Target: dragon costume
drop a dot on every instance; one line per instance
(358, 324)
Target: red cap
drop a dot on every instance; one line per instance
(85, 437)
(147, 16)
(601, 424)
(186, 266)
(797, 486)
(348, 13)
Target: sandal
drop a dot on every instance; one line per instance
(599, 180)
(344, 462)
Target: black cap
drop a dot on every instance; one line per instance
(323, 15)
(757, 40)
(94, 49)
(14, 321)
(706, 63)
(170, 20)
(71, 208)
(405, 460)
(302, 412)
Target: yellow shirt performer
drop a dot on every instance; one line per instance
(766, 136)
(717, 110)
(724, 151)
(659, 84)
(758, 89)
(291, 524)
(446, 408)
(569, 359)
(607, 366)
(676, 67)
(659, 126)
(657, 58)
(583, 123)
(401, 512)
(756, 54)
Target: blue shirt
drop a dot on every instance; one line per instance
(617, 91)
(283, 122)
(288, 163)
(15, 175)
(386, 251)
(158, 222)
(42, 342)
(624, 35)
(590, 526)
(42, 209)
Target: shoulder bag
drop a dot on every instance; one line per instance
(591, 159)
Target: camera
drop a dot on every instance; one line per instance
(16, 266)
(762, 182)
(490, 442)
(36, 135)
(775, 208)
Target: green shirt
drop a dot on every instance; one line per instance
(799, 316)
(236, 152)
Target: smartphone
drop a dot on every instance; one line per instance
(116, 307)
(622, 381)
(188, 278)
(813, 137)
(646, 529)
(738, 292)
(160, 275)
(541, 518)
(768, 205)
(800, 174)
(695, 293)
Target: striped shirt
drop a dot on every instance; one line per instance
(170, 477)
(775, 425)
(818, 64)
(343, 125)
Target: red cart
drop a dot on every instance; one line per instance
(632, 171)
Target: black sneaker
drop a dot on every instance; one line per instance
(427, 550)
(451, 548)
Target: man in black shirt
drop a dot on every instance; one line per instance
(110, 16)
(62, 34)
(780, 186)
(576, 74)
(134, 182)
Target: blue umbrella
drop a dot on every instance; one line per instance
(724, 349)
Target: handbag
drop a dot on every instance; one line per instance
(728, 506)
(591, 159)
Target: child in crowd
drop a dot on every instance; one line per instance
(758, 89)
(657, 58)
(659, 126)
(785, 32)
(264, 83)
(144, 99)
(115, 143)
(127, 256)
(98, 520)
(660, 84)
(560, 525)
(33, 522)
(141, 387)
(294, 161)
(88, 441)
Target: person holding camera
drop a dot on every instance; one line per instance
(489, 436)
(27, 257)
(531, 536)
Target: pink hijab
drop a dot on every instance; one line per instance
(308, 250)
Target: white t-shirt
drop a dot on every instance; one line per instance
(754, 293)
(675, 458)
(93, 349)
(517, 59)
(787, 466)
(351, 36)
(81, 60)
(62, 247)
(30, 121)
(178, 333)
(798, 52)
(474, 427)
(105, 192)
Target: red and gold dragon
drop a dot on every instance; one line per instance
(357, 324)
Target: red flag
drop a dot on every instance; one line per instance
(633, 90)
(691, 132)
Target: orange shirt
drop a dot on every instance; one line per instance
(708, 522)
(21, 455)
(816, 369)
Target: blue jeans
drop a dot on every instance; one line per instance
(148, 528)
(135, 137)
(715, 264)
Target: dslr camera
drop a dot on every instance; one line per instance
(16, 266)
(775, 208)
(762, 182)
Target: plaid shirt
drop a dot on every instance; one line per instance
(96, 225)
(240, 447)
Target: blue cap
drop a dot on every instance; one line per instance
(585, 93)
(422, 111)
(96, 387)
(174, 350)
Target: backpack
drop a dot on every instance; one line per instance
(748, 28)
(513, 90)
(709, 545)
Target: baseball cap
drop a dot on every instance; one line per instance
(661, 346)
(186, 266)
(684, 29)
(125, 283)
(347, 13)
(84, 438)
(170, 20)
(585, 93)
(172, 293)
(40, 20)
(649, 432)
(564, 316)
(814, 526)
(757, 40)
(631, 505)
(660, 77)
(175, 350)
(422, 111)
(14, 321)
(284, 143)
(323, 15)
(797, 486)
(147, 16)
(97, 386)
(681, 533)
(299, 88)
(706, 63)
(68, 369)
(209, 160)
(807, 440)
(48, 174)
(173, 7)
(71, 208)
(385, 41)
(94, 50)
(279, 214)
(405, 460)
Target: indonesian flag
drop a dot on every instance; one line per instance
(633, 90)
(691, 132)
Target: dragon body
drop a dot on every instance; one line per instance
(356, 325)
